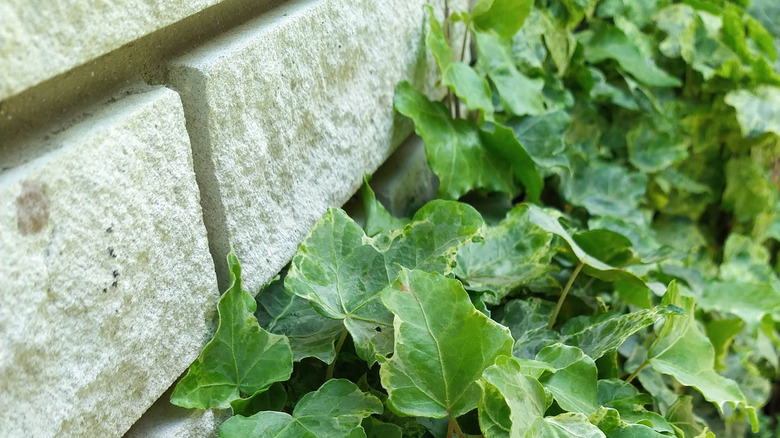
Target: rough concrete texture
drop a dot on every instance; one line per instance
(107, 289)
(164, 420)
(41, 39)
(288, 111)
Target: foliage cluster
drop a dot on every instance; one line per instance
(602, 261)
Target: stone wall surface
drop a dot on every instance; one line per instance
(288, 112)
(116, 217)
(108, 290)
(41, 39)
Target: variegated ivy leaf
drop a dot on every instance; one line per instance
(341, 271)
(334, 410)
(574, 379)
(241, 359)
(514, 253)
(442, 346)
(682, 351)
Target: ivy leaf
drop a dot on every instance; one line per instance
(334, 410)
(593, 266)
(527, 320)
(502, 141)
(503, 17)
(454, 147)
(519, 94)
(310, 334)
(628, 401)
(378, 219)
(748, 192)
(598, 335)
(543, 137)
(442, 346)
(680, 415)
(432, 240)
(511, 401)
(684, 352)
(513, 253)
(341, 274)
(609, 42)
(463, 80)
(652, 150)
(749, 301)
(606, 189)
(241, 359)
(570, 425)
(574, 381)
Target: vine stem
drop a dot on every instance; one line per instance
(566, 288)
(454, 426)
(332, 366)
(637, 371)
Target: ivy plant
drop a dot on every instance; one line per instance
(602, 261)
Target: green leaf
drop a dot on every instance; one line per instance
(606, 189)
(334, 410)
(721, 333)
(684, 352)
(471, 88)
(241, 359)
(310, 334)
(442, 346)
(514, 253)
(378, 429)
(629, 402)
(519, 94)
(504, 17)
(436, 41)
(503, 143)
(758, 111)
(749, 301)
(543, 137)
(593, 266)
(273, 399)
(454, 147)
(652, 150)
(463, 80)
(432, 240)
(570, 425)
(527, 320)
(680, 415)
(598, 335)
(609, 42)
(511, 401)
(574, 381)
(341, 274)
(748, 192)
(378, 219)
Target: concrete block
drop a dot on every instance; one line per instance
(164, 420)
(39, 40)
(287, 112)
(107, 289)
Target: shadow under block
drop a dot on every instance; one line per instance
(107, 288)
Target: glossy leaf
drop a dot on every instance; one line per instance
(334, 410)
(601, 334)
(684, 352)
(241, 360)
(527, 320)
(378, 219)
(503, 17)
(511, 400)
(573, 383)
(442, 346)
(310, 334)
(454, 148)
(513, 254)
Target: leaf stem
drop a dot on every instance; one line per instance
(453, 425)
(637, 371)
(566, 288)
(332, 366)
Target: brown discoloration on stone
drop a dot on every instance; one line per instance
(32, 208)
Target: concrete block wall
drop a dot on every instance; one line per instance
(141, 140)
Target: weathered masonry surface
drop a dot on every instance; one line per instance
(141, 140)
